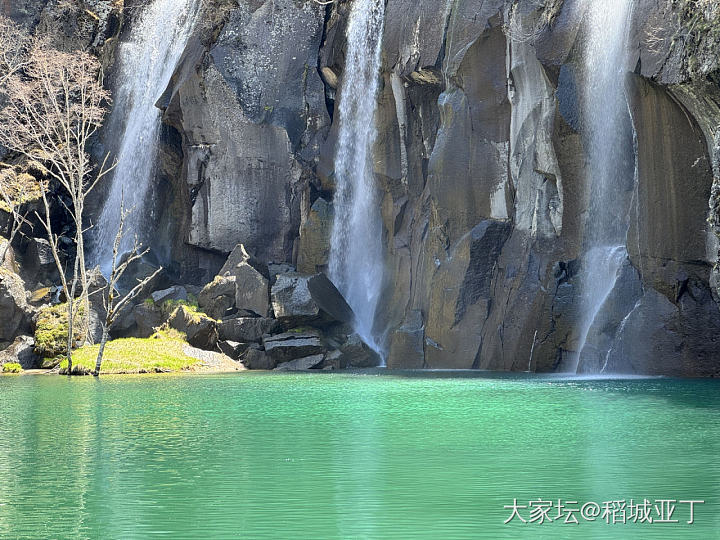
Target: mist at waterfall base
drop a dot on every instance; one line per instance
(356, 254)
(608, 135)
(146, 62)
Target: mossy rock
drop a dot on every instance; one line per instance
(50, 363)
(51, 331)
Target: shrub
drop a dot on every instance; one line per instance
(12, 367)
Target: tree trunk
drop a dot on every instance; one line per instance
(4, 253)
(70, 337)
(103, 342)
(80, 256)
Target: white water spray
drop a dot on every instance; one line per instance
(146, 62)
(356, 254)
(608, 135)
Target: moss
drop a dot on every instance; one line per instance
(51, 331)
(163, 352)
(300, 330)
(169, 306)
(12, 367)
(20, 188)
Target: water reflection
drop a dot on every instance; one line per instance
(347, 456)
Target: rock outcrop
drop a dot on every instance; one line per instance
(482, 169)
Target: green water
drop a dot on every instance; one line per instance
(402, 456)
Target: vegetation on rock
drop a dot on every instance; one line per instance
(51, 331)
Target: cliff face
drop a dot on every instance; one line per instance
(482, 168)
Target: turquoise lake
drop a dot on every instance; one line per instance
(372, 455)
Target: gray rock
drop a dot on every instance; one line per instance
(15, 313)
(201, 330)
(39, 261)
(251, 290)
(148, 317)
(301, 364)
(251, 111)
(290, 346)
(21, 351)
(237, 256)
(347, 349)
(246, 329)
(217, 298)
(10, 263)
(176, 292)
(233, 349)
(257, 359)
(298, 299)
(275, 269)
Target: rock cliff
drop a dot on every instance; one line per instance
(481, 165)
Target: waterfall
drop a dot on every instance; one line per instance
(608, 135)
(356, 254)
(146, 62)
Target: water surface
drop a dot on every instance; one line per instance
(402, 456)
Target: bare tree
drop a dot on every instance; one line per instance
(9, 198)
(112, 300)
(54, 106)
(15, 44)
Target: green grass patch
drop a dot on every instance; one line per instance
(163, 352)
(12, 367)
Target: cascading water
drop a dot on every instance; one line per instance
(608, 136)
(356, 254)
(146, 62)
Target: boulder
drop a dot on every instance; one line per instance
(251, 290)
(293, 345)
(301, 364)
(39, 261)
(20, 351)
(237, 256)
(200, 330)
(349, 350)
(257, 359)
(300, 299)
(176, 292)
(238, 286)
(246, 329)
(275, 269)
(233, 349)
(356, 353)
(148, 317)
(9, 263)
(14, 309)
(218, 297)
